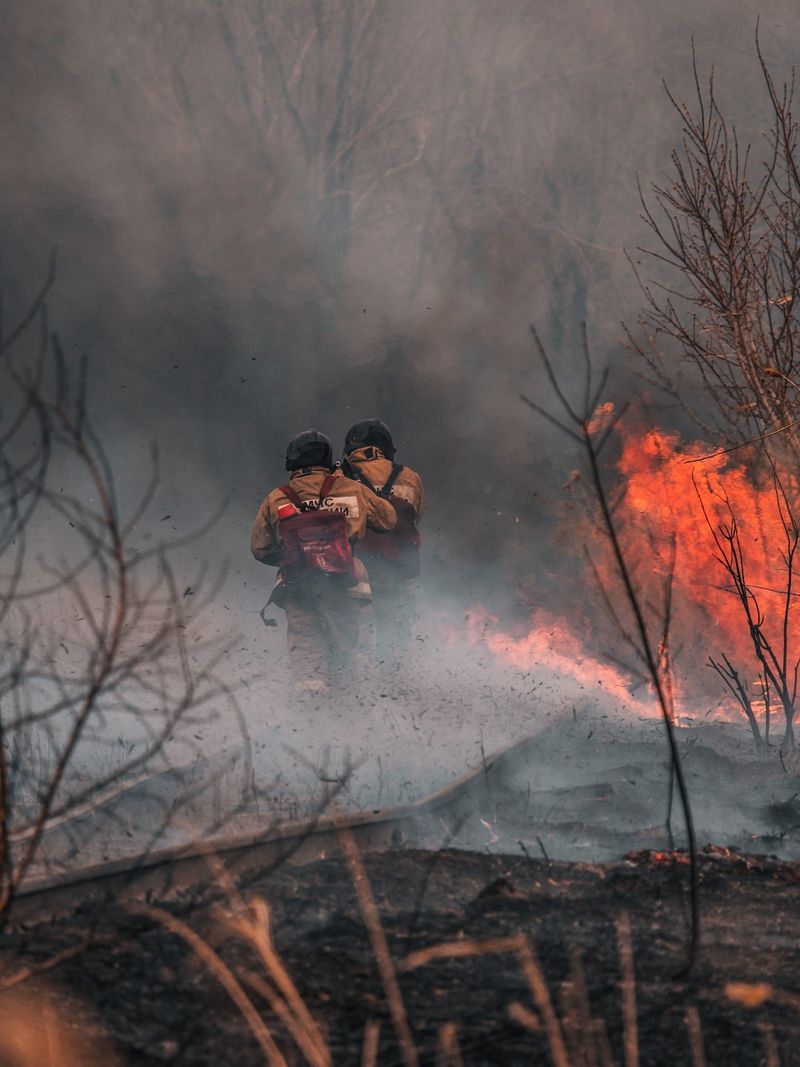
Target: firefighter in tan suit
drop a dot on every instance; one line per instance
(392, 558)
(306, 529)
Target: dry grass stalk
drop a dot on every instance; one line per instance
(369, 1050)
(276, 1004)
(254, 928)
(541, 998)
(449, 1051)
(628, 989)
(530, 968)
(582, 1011)
(570, 1025)
(304, 1041)
(224, 976)
(250, 921)
(695, 1036)
(449, 950)
(605, 1056)
(380, 947)
(771, 1057)
(524, 1017)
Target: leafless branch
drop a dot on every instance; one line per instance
(652, 648)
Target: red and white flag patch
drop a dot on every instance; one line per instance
(287, 509)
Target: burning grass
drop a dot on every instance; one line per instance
(724, 526)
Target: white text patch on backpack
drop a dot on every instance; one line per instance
(348, 505)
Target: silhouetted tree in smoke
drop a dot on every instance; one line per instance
(346, 116)
(721, 334)
(727, 235)
(95, 671)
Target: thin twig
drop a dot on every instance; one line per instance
(369, 1050)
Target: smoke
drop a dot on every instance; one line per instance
(267, 223)
(272, 216)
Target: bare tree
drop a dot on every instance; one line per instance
(95, 673)
(727, 240)
(720, 333)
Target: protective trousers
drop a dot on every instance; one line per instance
(393, 609)
(321, 633)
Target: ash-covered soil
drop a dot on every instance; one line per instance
(158, 1003)
(585, 787)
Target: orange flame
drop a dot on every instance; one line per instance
(674, 495)
(664, 497)
(553, 644)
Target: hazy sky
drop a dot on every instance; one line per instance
(279, 215)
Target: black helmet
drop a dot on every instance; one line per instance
(309, 449)
(370, 432)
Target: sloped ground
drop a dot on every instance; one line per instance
(597, 797)
(159, 1004)
(589, 788)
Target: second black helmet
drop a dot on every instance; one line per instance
(370, 432)
(309, 449)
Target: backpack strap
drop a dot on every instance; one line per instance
(386, 489)
(292, 495)
(326, 487)
(387, 485)
(354, 472)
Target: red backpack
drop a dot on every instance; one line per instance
(314, 540)
(399, 546)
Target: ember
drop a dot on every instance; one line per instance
(658, 856)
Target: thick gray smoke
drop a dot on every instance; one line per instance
(278, 215)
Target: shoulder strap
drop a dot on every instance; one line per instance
(387, 487)
(355, 472)
(291, 494)
(326, 487)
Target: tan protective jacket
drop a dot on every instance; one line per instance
(359, 504)
(375, 466)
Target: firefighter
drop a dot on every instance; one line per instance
(307, 528)
(392, 557)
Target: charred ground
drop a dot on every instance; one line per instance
(159, 1004)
